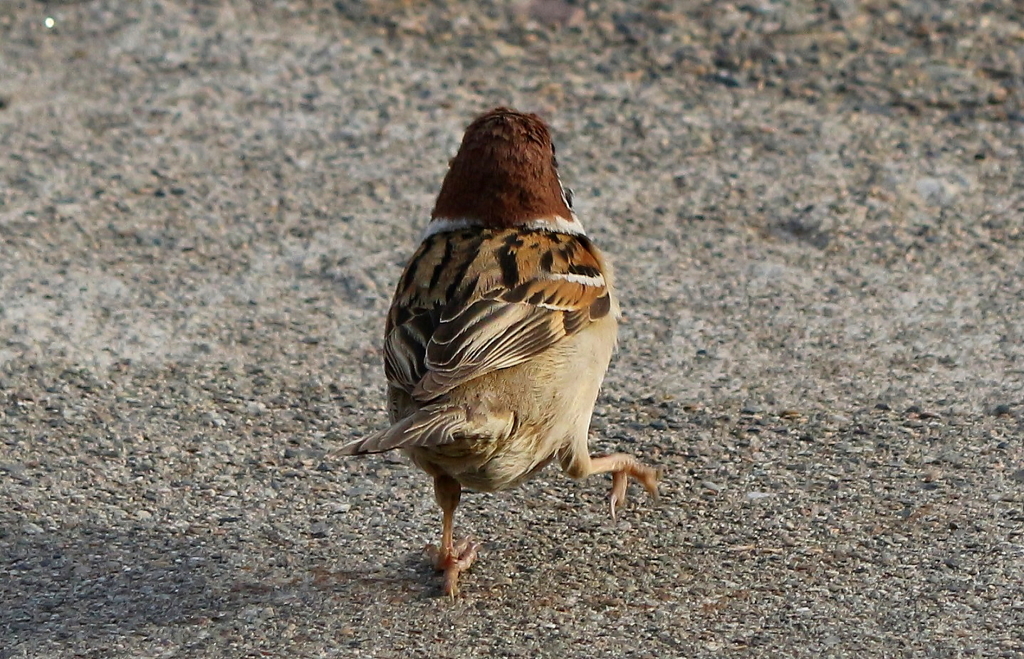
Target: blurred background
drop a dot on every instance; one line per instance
(224, 172)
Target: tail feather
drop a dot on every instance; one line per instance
(434, 425)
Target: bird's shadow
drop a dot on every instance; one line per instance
(57, 584)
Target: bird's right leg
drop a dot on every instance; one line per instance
(451, 557)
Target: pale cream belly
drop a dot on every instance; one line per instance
(550, 400)
(501, 470)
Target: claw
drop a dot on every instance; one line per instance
(620, 481)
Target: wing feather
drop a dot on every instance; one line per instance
(478, 300)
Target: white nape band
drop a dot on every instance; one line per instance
(554, 224)
(558, 224)
(445, 225)
(583, 280)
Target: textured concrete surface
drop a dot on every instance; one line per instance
(815, 210)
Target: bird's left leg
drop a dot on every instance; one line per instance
(451, 557)
(621, 465)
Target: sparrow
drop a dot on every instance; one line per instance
(500, 332)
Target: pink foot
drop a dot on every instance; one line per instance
(461, 556)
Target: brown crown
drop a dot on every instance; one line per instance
(504, 173)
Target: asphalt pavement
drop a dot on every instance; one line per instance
(816, 215)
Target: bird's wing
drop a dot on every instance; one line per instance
(479, 300)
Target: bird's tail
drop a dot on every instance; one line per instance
(434, 425)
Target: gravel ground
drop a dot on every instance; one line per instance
(815, 209)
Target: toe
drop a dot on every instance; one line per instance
(461, 546)
(451, 583)
(434, 555)
(465, 554)
(462, 557)
(650, 481)
(620, 481)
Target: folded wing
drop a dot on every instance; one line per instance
(476, 301)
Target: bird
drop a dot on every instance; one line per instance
(500, 332)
